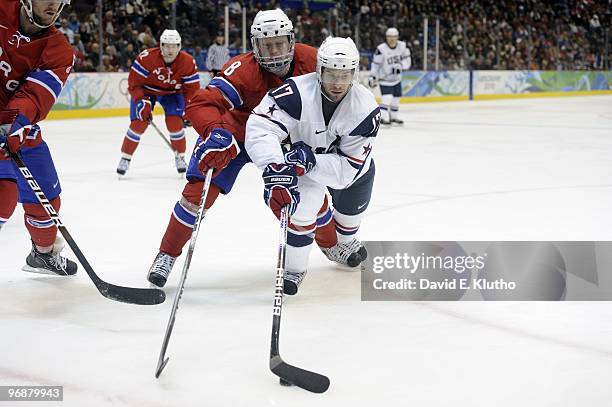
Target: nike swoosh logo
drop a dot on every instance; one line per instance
(55, 185)
(361, 206)
(319, 132)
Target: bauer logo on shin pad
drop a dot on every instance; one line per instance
(41, 196)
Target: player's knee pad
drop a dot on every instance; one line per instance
(39, 224)
(174, 124)
(8, 203)
(192, 193)
(139, 126)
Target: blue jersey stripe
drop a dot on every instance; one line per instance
(138, 68)
(51, 81)
(228, 90)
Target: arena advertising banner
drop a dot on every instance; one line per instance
(99, 91)
(106, 94)
(523, 82)
(435, 83)
(489, 271)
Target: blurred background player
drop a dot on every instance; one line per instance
(218, 55)
(35, 61)
(219, 114)
(166, 75)
(390, 59)
(331, 121)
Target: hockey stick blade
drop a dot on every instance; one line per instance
(161, 367)
(139, 296)
(305, 379)
(131, 295)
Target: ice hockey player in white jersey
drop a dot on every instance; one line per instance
(390, 59)
(330, 121)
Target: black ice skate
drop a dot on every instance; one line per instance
(123, 166)
(160, 269)
(348, 254)
(292, 281)
(385, 122)
(397, 121)
(49, 263)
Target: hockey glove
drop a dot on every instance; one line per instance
(372, 81)
(143, 110)
(280, 188)
(219, 148)
(12, 130)
(301, 157)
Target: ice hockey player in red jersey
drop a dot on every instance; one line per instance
(166, 75)
(219, 114)
(35, 61)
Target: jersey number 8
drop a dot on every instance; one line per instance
(230, 69)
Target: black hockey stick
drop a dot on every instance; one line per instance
(305, 379)
(163, 360)
(141, 296)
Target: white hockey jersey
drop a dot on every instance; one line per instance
(386, 59)
(294, 110)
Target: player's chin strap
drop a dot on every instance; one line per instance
(27, 5)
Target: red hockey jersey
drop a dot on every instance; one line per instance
(152, 76)
(33, 70)
(229, 98)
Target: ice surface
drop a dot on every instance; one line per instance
(535, 169)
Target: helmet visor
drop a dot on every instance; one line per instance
(333, 76)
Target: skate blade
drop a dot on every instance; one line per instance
(36, 270)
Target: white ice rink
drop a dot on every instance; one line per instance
(538, 169)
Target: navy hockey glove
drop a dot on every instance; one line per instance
(219, 148)
(301, 157)
(143, 110)
(280, 188)
(372, 81)
(12, 126)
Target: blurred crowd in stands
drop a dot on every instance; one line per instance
(483, 34)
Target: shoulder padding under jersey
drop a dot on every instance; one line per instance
(287, 97)
(369, 126)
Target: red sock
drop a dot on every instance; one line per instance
(325, 235)
(42, 229)
(182, 219)
(132, 137)
(174, 124)
(8, 203)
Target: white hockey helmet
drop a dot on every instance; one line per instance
(391, 32)
(27, 6)
(270, 24)
(338, 54)
(170, 37)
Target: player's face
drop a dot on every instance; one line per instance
(336, 83)
(392, 41)
(45, 11)
(170, 52)
(273, 47)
